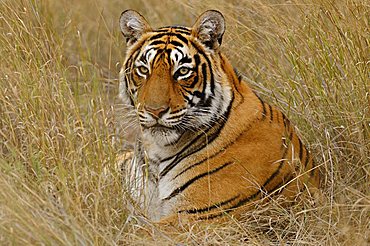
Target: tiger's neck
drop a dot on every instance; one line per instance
(163, 156)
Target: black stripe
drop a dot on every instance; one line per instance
(158, 36)
(286, 121)
(212, 207)
(157, 42)
(128, 61)
(143, 58)
(174, 116)
(191, 181)
(300, 150)
(187, 59)
(185, 96)
(273, 175)
(174, 31)
(200, 51)
(263, 108)
(132, 79)
(307, 159)
(199, 95)
(176, 111)
(212, 77)
(183, 32)
(189, 92)
(245, 200)
(173, 42)
(182, 28)
(204, 73)
(271, 113)
(168, 51)
(197, 60)
(177, 35)
(130, 95)
(176, 28)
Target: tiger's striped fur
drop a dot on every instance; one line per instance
(208, 144)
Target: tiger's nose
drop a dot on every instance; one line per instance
(156, 111)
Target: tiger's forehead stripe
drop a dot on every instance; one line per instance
(174, 41)
(170, 34)
(179, 29)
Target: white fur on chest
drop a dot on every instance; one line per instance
(146, 186)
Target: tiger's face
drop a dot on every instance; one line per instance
(171, 75)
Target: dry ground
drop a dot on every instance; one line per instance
(61, 125)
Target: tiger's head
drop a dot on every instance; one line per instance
(173, 76)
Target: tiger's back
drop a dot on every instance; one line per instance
(209, 144)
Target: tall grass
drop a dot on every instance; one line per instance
(62, 127)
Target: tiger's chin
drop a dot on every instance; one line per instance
(161, 134)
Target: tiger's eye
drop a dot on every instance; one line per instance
(142, 70)
(183, 71)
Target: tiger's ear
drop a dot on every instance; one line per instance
(133, 26)
(209, 28)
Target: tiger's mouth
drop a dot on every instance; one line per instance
(158, 127)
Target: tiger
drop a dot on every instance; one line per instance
(209, 147)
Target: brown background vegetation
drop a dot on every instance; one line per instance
(62, 127)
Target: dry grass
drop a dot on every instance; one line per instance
(59, 120)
